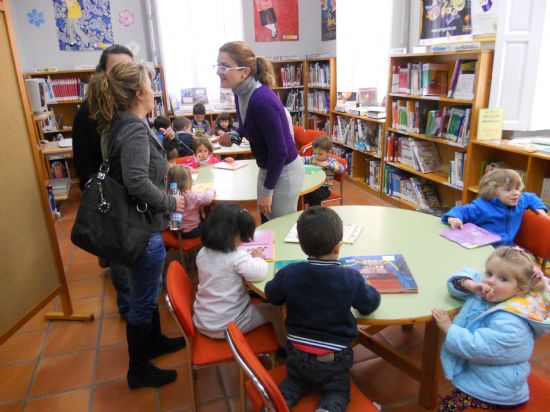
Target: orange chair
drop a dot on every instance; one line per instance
(335, 195)
(201, 350)
(183, 160)
(185, 246)
(539, 399)
(261, 386)
(298, 135)
(534, 235)
(307, 137)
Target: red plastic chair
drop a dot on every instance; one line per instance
(334, 195)
(539, 400)
(298, 135)
(203, 351)
(534, 235)
(261, 386)
(184, 246)
(307, 137)
(183, 160)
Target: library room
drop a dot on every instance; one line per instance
(263, 205)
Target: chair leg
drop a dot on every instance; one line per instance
(241, 388)
(191, 376)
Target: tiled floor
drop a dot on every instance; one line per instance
(62, 366)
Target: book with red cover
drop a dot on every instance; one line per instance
(470, 236)
(263, 239)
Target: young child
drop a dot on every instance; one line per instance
(224, 124)
(193, 201)
(203, 154)
(488, 345)
(172, 142)
(199, 111)
(223, 270)
(332, 167)
(182, 126)
(160, 124)
(318, 295)
(499, 207)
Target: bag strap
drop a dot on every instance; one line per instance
(113, 134)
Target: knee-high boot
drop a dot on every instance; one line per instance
(161, 344)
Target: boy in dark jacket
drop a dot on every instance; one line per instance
(318, 295)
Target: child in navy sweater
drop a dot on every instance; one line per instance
(199, 122)
(318, 295)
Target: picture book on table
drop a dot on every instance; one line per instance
(351, 233)
(470, 236)
(263, 239)
(230, 166)
(385, 273)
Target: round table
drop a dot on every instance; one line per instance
(431, 260)
(240, 185)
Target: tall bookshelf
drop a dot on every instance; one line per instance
(289, 86)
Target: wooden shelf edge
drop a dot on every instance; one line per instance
(439, 140)
(437, 177)
(432, 98)
(368, 119)
(398, 202)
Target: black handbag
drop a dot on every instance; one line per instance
(110, 223)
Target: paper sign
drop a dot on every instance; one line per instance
(489, 126)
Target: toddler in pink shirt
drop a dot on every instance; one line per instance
(204, 155)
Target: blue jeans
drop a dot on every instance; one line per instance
(120, 275)
(145, 281)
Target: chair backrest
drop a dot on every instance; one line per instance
(534, 234)
(298, 135)
(256, 373)
(180, 296)
(183, 160)
(306, 150)
(340, 177)
(308, 136)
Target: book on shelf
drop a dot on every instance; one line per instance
(470, 236)
(227, 99)
(425, 193)
(545, 191)
(386, 273)
(426, 156)
(456, 170)
(199, 95)
(186, 96)
(351, 233)
(367, 96)
(462, 86)
(434, 79)
(404, 79)
(237, 164)
(416, 79)
(263, 240)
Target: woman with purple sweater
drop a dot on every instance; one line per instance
(262, 119)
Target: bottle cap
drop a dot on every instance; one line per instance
(173, 185)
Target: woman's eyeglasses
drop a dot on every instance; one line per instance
(224, 69)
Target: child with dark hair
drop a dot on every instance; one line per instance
(223, 269)
(204, 155)
(160, 124)
(224, 124)
(182, 140)
(199, 123)
(318, 295)
(320, 157)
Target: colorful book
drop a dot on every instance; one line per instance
(309, 169)
(385, 273)
(230, 166)
(351, 233)
(470, 236)
(263, 239)
(279, 264)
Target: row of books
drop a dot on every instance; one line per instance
(156, 84)
(291, 75)
(318, 75)
(419, 154)
(319, 123)
(62, 89)
(298, 118)
(193, 95)
(346, 154)
(545, 191)
(456, 169)
(372, 173)
(158, 110)
(359, 134)
(294, 100)
(318, 101)
(413, 189)
(425, 79)
(487, 165)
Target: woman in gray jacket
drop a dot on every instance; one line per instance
(119, 101)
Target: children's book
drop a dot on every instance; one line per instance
(202, 187)
(230, 166)
(470, 236)
(309, 169)
(385, 273)
(279, 264)
(263, 239)
(351, 233)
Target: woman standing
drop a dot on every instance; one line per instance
(262, 119)
(120, 101)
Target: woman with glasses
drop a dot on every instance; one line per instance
(262, 119)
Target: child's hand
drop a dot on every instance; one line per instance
(180, 203)
(257, 252)
(442, 319)
(168, 133)
(455, 222)
(214, 139)
(480, 289)
(229, 160)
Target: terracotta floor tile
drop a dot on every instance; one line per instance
(15, 381)
(67, 337)
(88, 305)
(177, 395)
(174, 359)
(63, 373)
(67, 402)
(81, 256)
(410, 406)
(110, 308)
(84, 270)
(400, 338)
(37, 322)
(13, 407)
(360, 354)
(112, 363)
(215, 406)
(86, 288)
(109, 287)
(22, 347)
(113, 330)
(116, 397)
(167, 321)
(208, 385)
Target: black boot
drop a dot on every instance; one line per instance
(161, 344)
(141, 372)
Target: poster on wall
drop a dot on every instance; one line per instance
(445, 21)
(484, 17)
(83, 24)
(276, 20)
(328, 20)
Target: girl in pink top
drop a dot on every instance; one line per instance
(193, 201)
(204, 155)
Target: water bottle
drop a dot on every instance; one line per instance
(176, 217)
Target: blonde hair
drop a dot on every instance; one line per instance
(182, 176)
(498, 177)
(260, 68)
(116, 91)
(521, 265)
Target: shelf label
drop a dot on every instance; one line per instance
(489, 126)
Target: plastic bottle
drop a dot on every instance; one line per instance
(176, 217)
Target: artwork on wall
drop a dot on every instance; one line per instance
(83, 24)
(484, 17)
(276, 20)
(126, 18)
(35, 17)
(445, 21)
(328, 20)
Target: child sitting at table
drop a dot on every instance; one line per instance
(488, 345)
(182, 126)
(223, 269)
(193, 201)
(160, 124)
(332, 167)
(199, 123)
(318, 295)
(204, 155)
(224, 124)
(499, 207)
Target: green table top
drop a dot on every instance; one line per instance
(240, 185)
(430, 257)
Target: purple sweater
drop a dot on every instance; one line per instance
(266, 127)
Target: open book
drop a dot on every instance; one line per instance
(263, 239)
(351, 233)
(230, 166)
(470, 236)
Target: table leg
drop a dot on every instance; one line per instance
(431, 366)
(301, 203)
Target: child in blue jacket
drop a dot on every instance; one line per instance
(499, 207)
(488, 345)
